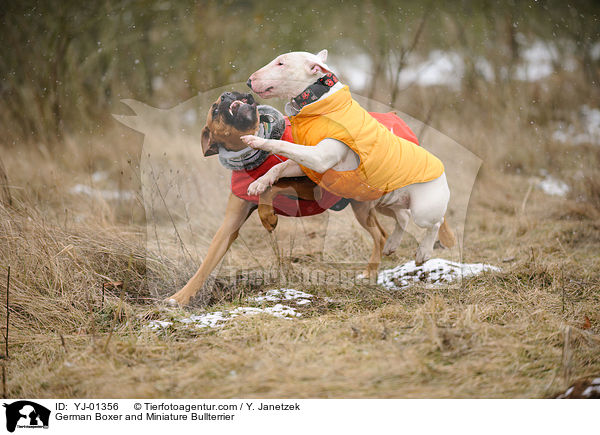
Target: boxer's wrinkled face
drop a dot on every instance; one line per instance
(233, 115)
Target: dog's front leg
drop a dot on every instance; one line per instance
(321, 157)
(289, 168)
(236, 213)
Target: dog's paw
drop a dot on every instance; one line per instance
(257, 187)
(391, 244)
(255, 142)
(171, 303)
(177, 300)
(267, 217)
(369, 275)
(422, 257)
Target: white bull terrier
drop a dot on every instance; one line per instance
(289, 76)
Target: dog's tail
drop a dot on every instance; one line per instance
(446, 235)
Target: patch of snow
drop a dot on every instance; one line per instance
(570, 64)
(442, 68)
(276, 295)
(434, 271)
(446, 68)
(566, 393)
(553, 186)
(591, 389)
(537, 61)
(484, 67)
(533, 72)
(83, 189)
(99, 176)
(208, 320)
(217, 319)
(563, 134)
(590, 120)
(282, 311)
(246, 311)
(355, 69)
(158, 324)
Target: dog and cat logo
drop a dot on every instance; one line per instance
(24, 414)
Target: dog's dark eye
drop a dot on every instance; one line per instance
(280, 63)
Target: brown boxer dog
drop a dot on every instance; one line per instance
(233, 115)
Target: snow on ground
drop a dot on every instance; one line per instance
(284, 303)
(300, 297)
(442, 68)
(108, 194)
(356, 69)
(538, 60)
(553, 186)
(434, 271)
(589, 132)
(485, 68)
(582, 389)
(84, 189)
(217, 319)
(593, 389)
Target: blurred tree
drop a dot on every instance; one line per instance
(65, 68)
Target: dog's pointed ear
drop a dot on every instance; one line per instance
(208, 147)
(322, 55)
(316, 63)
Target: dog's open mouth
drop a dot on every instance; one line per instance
(234, 107)
(238, 110)
(237, 105)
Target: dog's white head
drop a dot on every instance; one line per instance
(288, 74)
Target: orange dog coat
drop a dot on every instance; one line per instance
(387, 162)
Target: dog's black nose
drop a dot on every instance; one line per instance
(249, 83)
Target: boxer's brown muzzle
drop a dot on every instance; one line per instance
(233, 115)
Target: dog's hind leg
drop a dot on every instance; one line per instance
(266, 211)
(365, 215)
(428, 203)
(425, 249)
(301, 187)
(401, 216)
(383, 231)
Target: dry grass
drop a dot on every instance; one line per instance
(85, 272)
(496, 335)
